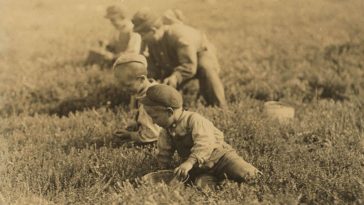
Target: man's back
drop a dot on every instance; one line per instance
(179, 45)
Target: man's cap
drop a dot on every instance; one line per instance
(144, 19)
(130, 57)
(162, 95)
(116, 10)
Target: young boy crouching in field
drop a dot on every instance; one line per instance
(207, 157)
(130, 70)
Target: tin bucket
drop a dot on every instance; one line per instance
(280, 111)
(163, 176)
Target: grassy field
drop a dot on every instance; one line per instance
(57, 116)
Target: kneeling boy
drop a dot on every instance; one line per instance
(130, 71)
(197, 141)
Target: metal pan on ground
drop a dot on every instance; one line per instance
(280, 111)
(161, 176)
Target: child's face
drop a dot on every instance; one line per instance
(128, 79)
(118, 23)
(161, 116)
(151, 35)
(134, 84)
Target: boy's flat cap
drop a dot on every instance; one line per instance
(162, 95)
(144, 19)
(116, 10)
(130, 57)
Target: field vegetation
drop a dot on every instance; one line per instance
(58, 116)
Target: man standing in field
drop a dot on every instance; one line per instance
(125, 41)
(178, 54)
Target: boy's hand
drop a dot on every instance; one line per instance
(171, 80)
(183, 169)
(106, 54)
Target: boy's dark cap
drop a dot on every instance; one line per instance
(144, 19)
(162, 95)
(130, 57)
(116, 10)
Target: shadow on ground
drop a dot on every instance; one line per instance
(109, 96)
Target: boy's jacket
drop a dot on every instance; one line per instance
(194, 138)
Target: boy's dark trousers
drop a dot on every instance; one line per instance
(230, 166)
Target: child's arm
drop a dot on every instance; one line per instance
(204, 143)
(134, 44)
(147, 131)
(165, 150)
(204, 140)
(185, 43)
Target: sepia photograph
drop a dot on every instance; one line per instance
(197, 102)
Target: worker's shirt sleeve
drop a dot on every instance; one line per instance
(185, 44)
(147, 130)
(166, 149)
(204, 141)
